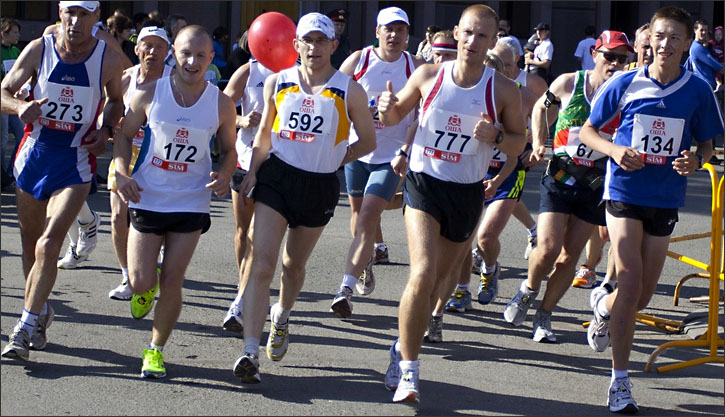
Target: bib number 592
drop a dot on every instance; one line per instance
(304, 122)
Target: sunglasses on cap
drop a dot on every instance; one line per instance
(611, 56)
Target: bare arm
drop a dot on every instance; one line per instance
(627, 158)
(362, 122)
(225, 134)
(113, 107)
(235, 91)
(348, 66)
(393, 108)
(127, 188)
(542, 117)
(514, 128)
(25, 68)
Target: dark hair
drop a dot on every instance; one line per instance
(140, 19)
(700, 22)
(117, 24)
(152, 23)
(220, 32)
(432, 29)
(590, 30)
(7, 23)
(678, 15)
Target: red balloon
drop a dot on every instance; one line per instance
(270, 40)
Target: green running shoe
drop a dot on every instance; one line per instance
(153, 364)
(141, 304)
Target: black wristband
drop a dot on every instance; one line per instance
(110, 130)
(499, 137)
(401, 152)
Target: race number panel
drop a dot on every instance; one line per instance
(578, 151)
(177, 147)
(66, 106)
(303, 117)
(657, 137)
(449, 135)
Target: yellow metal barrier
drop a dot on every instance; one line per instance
(710, 338)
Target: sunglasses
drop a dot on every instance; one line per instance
(611, 56)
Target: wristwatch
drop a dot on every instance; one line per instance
(499, 137)
(401, 152)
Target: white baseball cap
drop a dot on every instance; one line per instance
(91, 6)
(392, 14)
(315, 22)
(152, 31)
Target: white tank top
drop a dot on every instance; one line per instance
(131, 90)
(174, 163)
(444, 146)
(310, 131)
(521, 78)
(253, 100)
(74, 93)
(373, 74)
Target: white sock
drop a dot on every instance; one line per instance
(616, 374)
(397, 346)
(525, 289)
(152, 346)
(238, 300)
(28, 321)
(612, 283)
(251, 345)
(85, 216)
(124, 272)
(602, 307)
(73, 233)
(488, 269)
(348, 281)
(406, 366)
(463, 287)
(279, 315)
(532, 231)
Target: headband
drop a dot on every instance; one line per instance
(444, 47)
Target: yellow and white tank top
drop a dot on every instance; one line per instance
(310, 131)
(444, 146)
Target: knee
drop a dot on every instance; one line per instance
(261, 267)
(119, 221)
(367, 221)
(547, 253)
(48, 246)
(485, 240)
(291, 270)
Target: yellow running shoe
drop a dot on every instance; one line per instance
(141, 304)
(153, 364)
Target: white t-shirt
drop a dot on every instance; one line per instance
(584, 52)
(544, 51)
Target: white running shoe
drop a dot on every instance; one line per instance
(408, 391)
(598, 330)
(278, 341)
(366, 282)
(542, 328)
(342, 303)
(477, 261)
(530, 245)
(71, 259)
(122, 292)
(88, 236)
(620, 397)
(233, 320)
(392, 375)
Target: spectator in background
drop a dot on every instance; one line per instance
(10, 33)
(717, 49)
(174, 23)
(539, 61)
(642, 47)
(220, 36)
(585, 47)
(241, 54)
(119, 26)
(700, 61)
(156, 15)
(505, 25)
(139, 20)
(425, 49)
(339, 20)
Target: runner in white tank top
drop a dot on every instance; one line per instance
(371, 182)
(169, 192)
(443, 192)
(300, 144)
(246, 86)
(53, 170)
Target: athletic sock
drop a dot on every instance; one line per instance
(28, 321)
(85, 216)
(278, 314)
(348, 281)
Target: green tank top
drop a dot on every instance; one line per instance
(575, 114)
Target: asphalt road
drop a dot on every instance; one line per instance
(335, 367)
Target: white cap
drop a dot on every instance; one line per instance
(392, 14)
(152, 31)
(315, 22)
(91, 6)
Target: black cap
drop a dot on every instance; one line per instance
(542, 26)
(339, 15)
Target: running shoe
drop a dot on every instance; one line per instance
(153, 364)
(342, 303)
(477, 261)
(18, 346)
(122, 292)
(434, 334)
(407, 391)
(516, 309)
(542, 328)
(598, 330)
(620, 397)
(392, 375)
(381, 254)
(39, 340)
(460, 301)
(233, 320)
(246, 368)
(584, 278)
(366, 283)
(488, 287)
(88, 236)
(530, 245)
(278, 341)
(71, 259)
(141, 304)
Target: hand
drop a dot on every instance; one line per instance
(526, 158)
(687, 164)
(96, 141)
(251, 120)
(128, 189)
(23, 93)
(628, 159)
(219, 184)
(30, 111)
(387, 100)
(485, 131)
(400, 165)
(245, 189)
(489, 187)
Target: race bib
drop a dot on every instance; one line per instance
(302, 118)
(656, 137)
(8, 65)
(449, 135)
(578, 151)
(498, 159)
(177, 147)
(66, 106)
